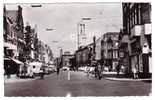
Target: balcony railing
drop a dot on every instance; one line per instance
(136, 30)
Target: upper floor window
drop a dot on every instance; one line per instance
(146, 13)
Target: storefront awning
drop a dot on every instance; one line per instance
(17, 61)
(6, 59)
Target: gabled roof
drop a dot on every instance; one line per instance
(125, 39)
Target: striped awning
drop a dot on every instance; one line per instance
(14, 60)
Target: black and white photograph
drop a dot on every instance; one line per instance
(77, 49)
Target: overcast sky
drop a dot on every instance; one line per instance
(63, 18)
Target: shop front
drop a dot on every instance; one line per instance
(12, 66)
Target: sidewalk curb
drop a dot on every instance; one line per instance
(19, 80)
(125, 79)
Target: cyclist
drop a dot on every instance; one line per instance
(99, 71)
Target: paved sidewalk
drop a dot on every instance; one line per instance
(15, 79)
(113, 76)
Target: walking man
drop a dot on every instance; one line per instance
(99, 71)
(58, 69)
(43, 72)
(135, 72)
(118, 69)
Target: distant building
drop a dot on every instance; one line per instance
(48, 55)
(124, 52)
(109, 47)
(84, 55)
(44, 53)
(67, 53)
(66, 59)
(137, 25)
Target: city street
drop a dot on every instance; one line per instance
(111, 40)
(73, 84)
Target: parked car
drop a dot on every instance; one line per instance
(36, 68)
(81, 68)
(106, 68)
(26, 71)
(86, 69)
(51, 68)
(65, 68)
(92, 70)
(46, 70)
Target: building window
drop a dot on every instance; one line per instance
(133, 19)
(130, 21)
(150, 12)
(128, 25)
(116, 54)
(146, 13)
(136, 16)
(139, 14)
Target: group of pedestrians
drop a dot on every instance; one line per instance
(97, 70)
(134, 70)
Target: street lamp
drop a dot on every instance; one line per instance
(55, 41)
(49, 29)
(86, 18)
(36, 5)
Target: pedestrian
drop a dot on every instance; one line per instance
(43, 72)
(95, 70)
(8, 71)
(25, 70)
(58, 69)
(88, 70)
(18, 71)
(118, 68)
(99, 71)
(135, 72)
